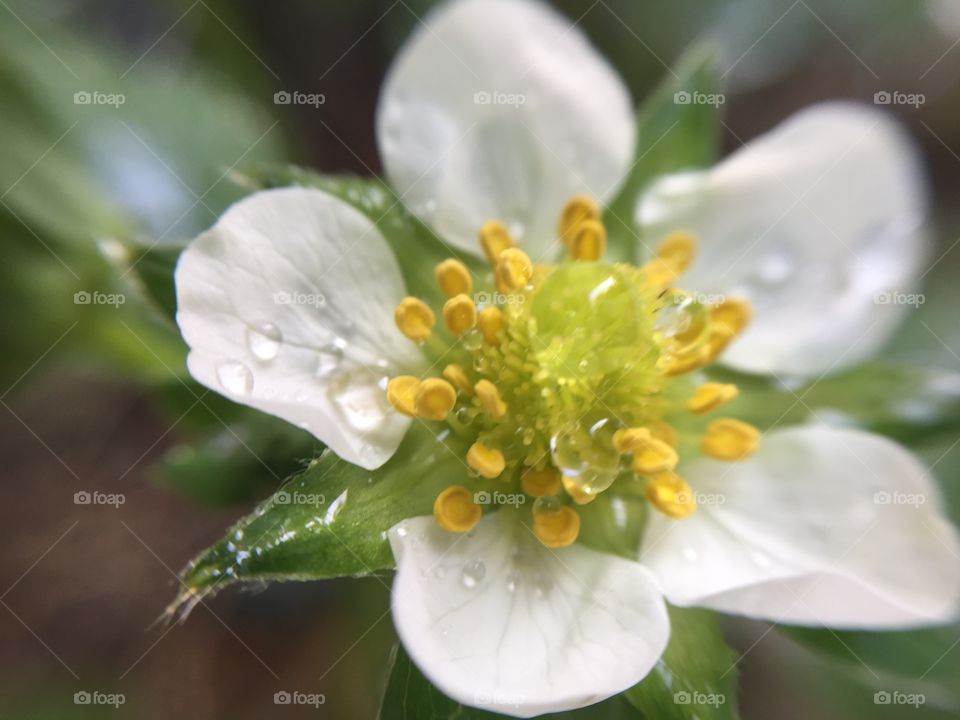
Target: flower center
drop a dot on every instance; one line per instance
(570, 376)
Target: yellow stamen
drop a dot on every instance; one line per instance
(414, 318)
(733, 313)
(577, 493)
(490, 321)
(654, 457)
(710, 396)
(537, 483)
(487, 462)
(458, 378)
(459, 314)
(720, 337)
(401, 393)
(626, 440)
(453, 278)
(729, 439)
(694, 360)
(455, 510)
(666, 433)
(494, 239)
(556, 528)
(589, 241)
(577, 210)
(513, 270)
(671, 258)
(490, 398)
(670, 494)
(435, 399)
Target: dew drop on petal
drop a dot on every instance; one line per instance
(473, 573)
(235, 377)
(329, 358)
(774, 268)
(264, 341)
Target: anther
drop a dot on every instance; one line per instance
(414, 318)
(401, 393)
(538, 483)
(710, 396)
(490, 398)
(670, 494)
(486, 462)
(459, 314)
(654, 457)
(556, 528)
(577, 210)
(494, 239)
(626, 440)
(589, 241)
(513, 270)
(455, 510)
(490, 320)
(729, 439)
(458, 377)
(434, 399)
(453, 278)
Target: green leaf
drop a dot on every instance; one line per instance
(410, 696)
(671, 136)
(415, 246)
(695, 678)
(901, 400)
(331, 519)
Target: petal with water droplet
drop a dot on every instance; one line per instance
(287, 306)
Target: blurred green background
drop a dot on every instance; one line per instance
(98, 197)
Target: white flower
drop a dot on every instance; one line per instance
(501, 110)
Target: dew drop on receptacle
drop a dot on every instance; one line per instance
(473, 573)
(264, 341)
(235, 377)
(472, 340)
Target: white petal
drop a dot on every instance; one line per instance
(496, 620)
(816, 223)
(825, 526)
(287, 306)
(501, 109)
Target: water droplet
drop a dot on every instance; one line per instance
(329, 358)
(472, 340)
(586, 455)
(473, 573)
(513, 579)
(358, 399)
(235, 377)
(335, 507)
(774, 268)
(440, 571)
(690, 554)
(264, 341)
(546, 504)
